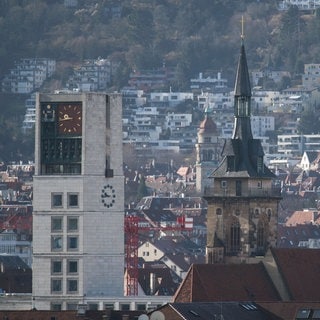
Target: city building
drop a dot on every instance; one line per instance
(28, 75)
(208, 150)
(92, 75)
(305, 5)
(78, 241)
(242, 199)
(294, 145)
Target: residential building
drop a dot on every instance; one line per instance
(169, 99)
(305, 5)
(92, 75)
(218, 101)
(28, 75)
(242, 200)
(311, 75)
(30, 115)
(294, 145)
(276, 76)
(207, 83)
(78, 203)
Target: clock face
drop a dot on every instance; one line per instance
(108, 196)
(70, 119)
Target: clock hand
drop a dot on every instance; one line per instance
(65, 117)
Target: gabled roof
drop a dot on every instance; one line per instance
(300, 270)
(304, 217)
(223, 282)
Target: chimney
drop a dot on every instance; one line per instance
(152, 282)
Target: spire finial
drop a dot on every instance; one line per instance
(242, 28)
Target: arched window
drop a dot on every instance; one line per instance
(235, 236)
(261, 237)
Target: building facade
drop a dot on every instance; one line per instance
(242, 199)
(78, 244)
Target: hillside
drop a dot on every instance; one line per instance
(191, 36)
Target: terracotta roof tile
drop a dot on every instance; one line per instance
(221, 282)
(300, 270)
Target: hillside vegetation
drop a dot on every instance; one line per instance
(191, 36)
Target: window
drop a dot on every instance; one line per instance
(56, 243)
(56, 266)
(72, 285)
(72, 224)
(56, 224)
(235, 237)
(73, 243)
(223, 184)
(73, 200)
(259, 185)
(56, 306)
(72, 266)
(56, 200)
(56, 285)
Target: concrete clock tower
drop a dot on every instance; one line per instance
(78, 237)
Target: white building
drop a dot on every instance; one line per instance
(30, 115)
(295, 145)
(28, 75)
(78, 206)
(208, 83)
(92, 75)
(276, 76)
(301, 4)
(169, 99)
(218, 102)
(311, 76)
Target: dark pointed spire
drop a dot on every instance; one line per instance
(242, 85)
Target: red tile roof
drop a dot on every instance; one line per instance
(221, 282)
(300, 270)
(303, 217)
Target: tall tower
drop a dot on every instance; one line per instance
(78, 241)
(242, 201)
(207, 150)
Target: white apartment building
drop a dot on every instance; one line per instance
(92, 75)
(301, 4)
(30, 115)
(260, 125)
(169, 99)
(15, 244)
(217, 102)
(28, 75)
(208, 83)
(264, 99)
(296, 145)
(178, 120)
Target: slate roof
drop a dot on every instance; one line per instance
(290, 237)
(300, 270)
(289, 310)
(222, 282)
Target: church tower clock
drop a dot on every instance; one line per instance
(78, 207)
(243, 197)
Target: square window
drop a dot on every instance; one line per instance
(56, 307)
(72, 285)
(56, 200)
(73, 200)
(72, 266)
(73, 223)
(56, 285)
(56, 266)
(56, 224)
(56, 243)
(73, 243)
